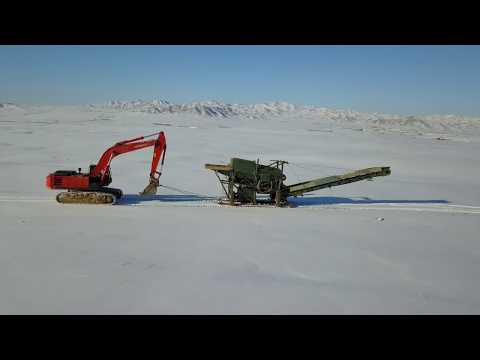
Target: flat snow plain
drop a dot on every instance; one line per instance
(181, 253)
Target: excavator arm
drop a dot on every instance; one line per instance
(103, 165)
(158, 152)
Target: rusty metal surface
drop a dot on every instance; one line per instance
(217, 167)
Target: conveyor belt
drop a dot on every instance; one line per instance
(336, 180)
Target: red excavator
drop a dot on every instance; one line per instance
(91, 187)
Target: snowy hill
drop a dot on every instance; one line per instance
(219, 109)
(341, 117)
(207, 108)
(9, 107)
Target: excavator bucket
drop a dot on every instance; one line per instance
(151, 188)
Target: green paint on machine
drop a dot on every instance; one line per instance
(243, 179)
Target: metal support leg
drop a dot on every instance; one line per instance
(278, 198)
(230, 190)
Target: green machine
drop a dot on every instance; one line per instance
(242, 180)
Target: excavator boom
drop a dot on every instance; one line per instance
(131, 145)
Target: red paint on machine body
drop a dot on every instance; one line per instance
(99, 175)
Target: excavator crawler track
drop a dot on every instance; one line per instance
(103, 196)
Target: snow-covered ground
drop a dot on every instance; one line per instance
(403, 244)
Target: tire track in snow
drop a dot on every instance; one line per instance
(25, 199)
(450, 208)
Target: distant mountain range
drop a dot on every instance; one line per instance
(225, 110)
(343, 118)
(207, 108)
(436, 123)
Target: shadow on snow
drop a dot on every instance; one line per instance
(332, 200)
(131, 199)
